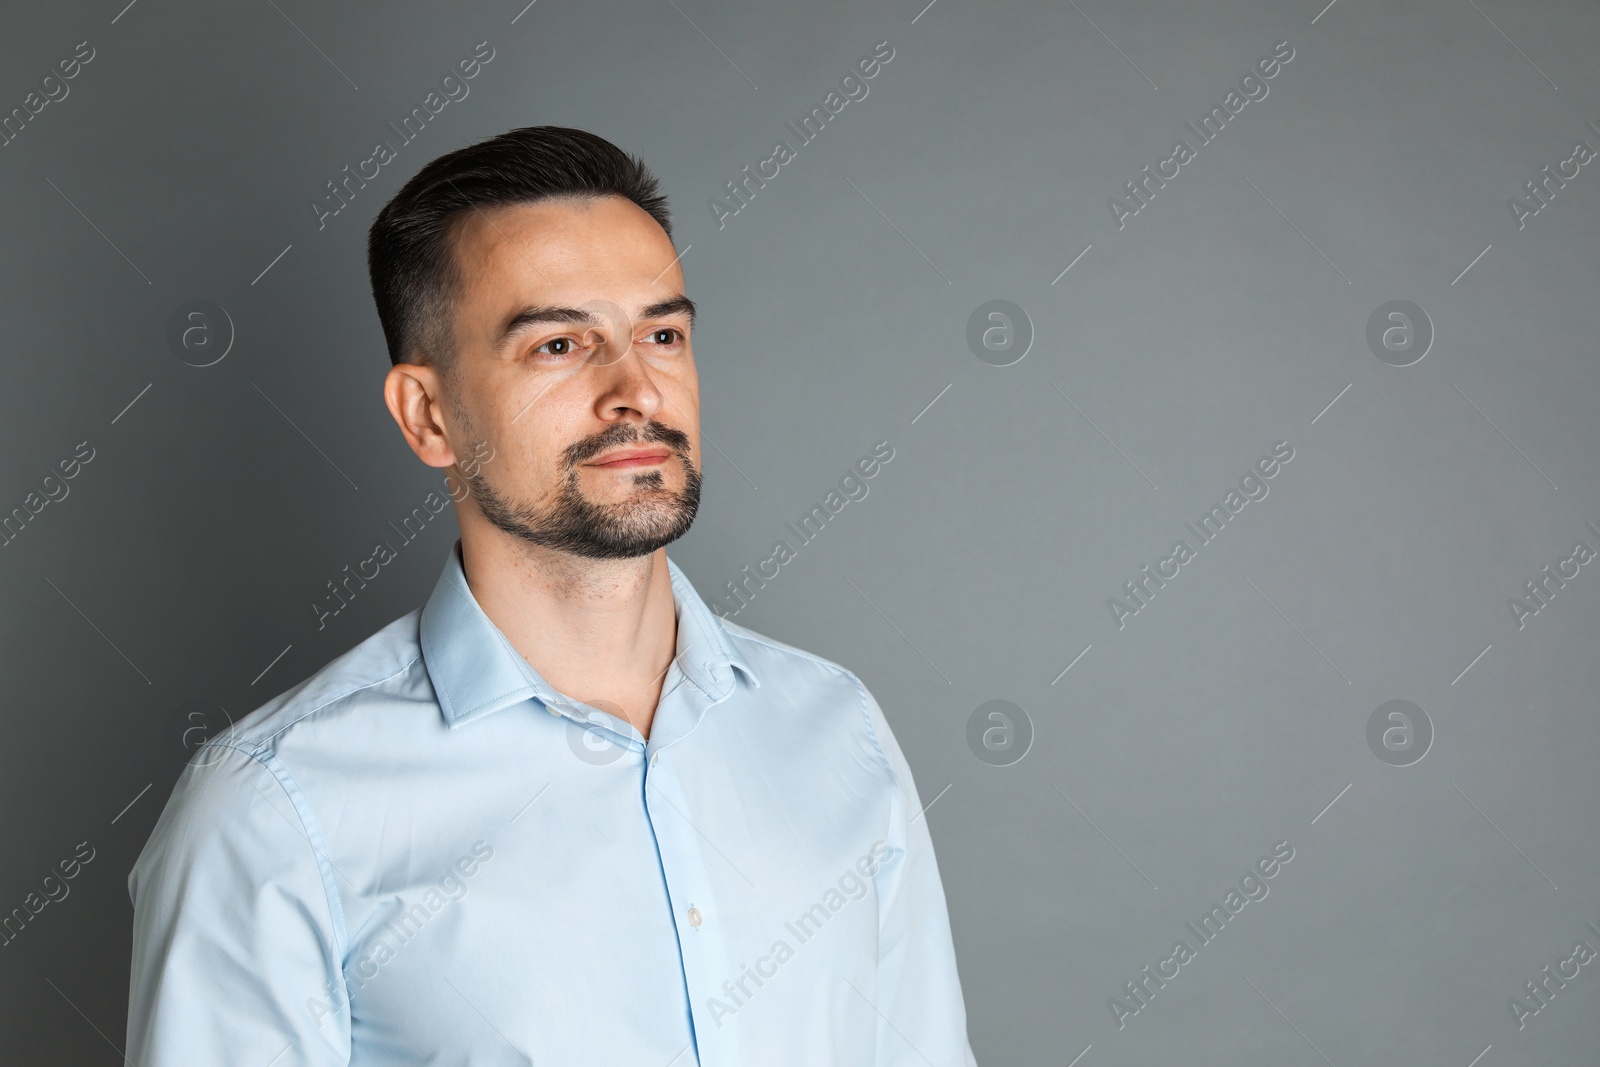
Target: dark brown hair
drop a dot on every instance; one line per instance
(409, 254)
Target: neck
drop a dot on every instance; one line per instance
(601, 631)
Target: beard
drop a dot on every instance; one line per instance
(653, 516)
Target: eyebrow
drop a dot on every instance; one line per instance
(541, 314)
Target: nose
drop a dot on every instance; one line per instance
(626, 391)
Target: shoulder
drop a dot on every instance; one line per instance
(763, 651)
(386, 665)
(238, 816)
(818, 679)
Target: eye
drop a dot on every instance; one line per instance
(666, 335)
(557, 347)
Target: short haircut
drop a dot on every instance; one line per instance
(410, 256)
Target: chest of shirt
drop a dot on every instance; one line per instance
(532, 887)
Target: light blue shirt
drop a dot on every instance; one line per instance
(424, 854)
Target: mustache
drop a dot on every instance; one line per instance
(623, 433)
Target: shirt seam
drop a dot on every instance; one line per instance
(872, 733)
(896, 804)
(263, 743)
(788, 650)
(467, 713)
(313, 833)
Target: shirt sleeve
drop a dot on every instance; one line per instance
(236, 925)
(923, 1017)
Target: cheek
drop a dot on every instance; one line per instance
(680, 407)
(681, 379)
(531, 424)
(529, 463)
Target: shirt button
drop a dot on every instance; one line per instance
(552, 709)
(655, 759)
(694, 916)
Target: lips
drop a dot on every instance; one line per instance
(631, 457)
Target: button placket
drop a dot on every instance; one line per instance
(694, 873)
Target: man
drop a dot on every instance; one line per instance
(562, 814)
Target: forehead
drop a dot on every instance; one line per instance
(565, 250)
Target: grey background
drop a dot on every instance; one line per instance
(1228, 315)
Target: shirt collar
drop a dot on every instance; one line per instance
(475, 670)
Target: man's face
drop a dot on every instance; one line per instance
(573, 362)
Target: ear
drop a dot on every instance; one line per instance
(414, 395)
